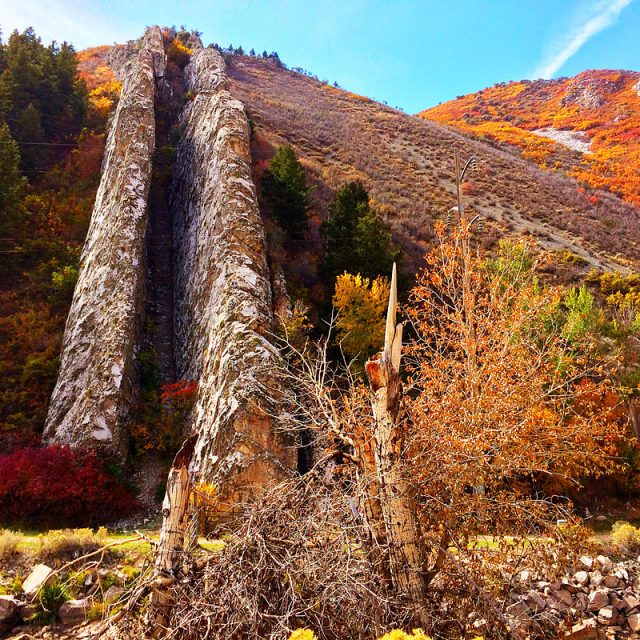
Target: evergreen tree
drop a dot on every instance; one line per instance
(12, 184)
(6, 94)
(358, 241)
(374, 248)
(285, 190)
(28, 129)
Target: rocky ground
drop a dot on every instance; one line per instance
(598, 599)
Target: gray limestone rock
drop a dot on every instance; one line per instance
(96, 385)
(223, 314)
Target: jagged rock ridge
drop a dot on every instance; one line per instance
(223, 293)
(223, 313)
(96, 385)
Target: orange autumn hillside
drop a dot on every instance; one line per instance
(588, 125)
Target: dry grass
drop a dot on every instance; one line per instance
(9, 541)
(406, 163)
(69, 543)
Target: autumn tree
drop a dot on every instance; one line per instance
(496, 398)
(361, 305)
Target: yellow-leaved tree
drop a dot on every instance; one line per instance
(361, 305)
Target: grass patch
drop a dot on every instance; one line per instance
(69, 543)
(9, 541)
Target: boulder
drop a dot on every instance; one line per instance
(605, 562)
(586, 562)
(582, 578)
(535, 601)
(36, 579)
(585, 630)
(113, 594)
(564, 597)
(27, 611)
(630, 602)
(597, 600)
(634, 622)
(622, 574)
(595, 578)
(607, 615)
(518, 610)
(611, 582)
(8, 610)
(581, 602)
(74, 611)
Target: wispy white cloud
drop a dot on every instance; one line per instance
(591, 22)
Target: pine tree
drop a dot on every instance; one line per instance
(28, 129)
(285, 190)
(12, 184)
(358, 241)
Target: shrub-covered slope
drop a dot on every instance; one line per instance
(588, 125)
(407, 165)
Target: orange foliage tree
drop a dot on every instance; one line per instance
(498, 400)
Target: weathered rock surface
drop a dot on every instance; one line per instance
(9, 607)
(96, 384)
(223, 314)
(36, 579)
(583, 605)
(74, 611)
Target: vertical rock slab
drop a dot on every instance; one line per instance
(223, 315)
(97, 384)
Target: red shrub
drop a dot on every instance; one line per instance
(57, 486)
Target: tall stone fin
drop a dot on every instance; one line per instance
(223, 315)
(96, 385)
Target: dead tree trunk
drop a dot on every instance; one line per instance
(171, 546)
(406, 555)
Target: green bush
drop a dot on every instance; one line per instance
(51, 598)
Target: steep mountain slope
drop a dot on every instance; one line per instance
(406, 163)
(588, 125)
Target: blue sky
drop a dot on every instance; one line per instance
(411, 53)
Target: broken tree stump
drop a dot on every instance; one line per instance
(171, 546)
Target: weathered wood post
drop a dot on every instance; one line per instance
(406, 555)
(170, 549)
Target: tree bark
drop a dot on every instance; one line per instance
(406, 554)
(171, 546)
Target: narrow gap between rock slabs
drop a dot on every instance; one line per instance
(156, 431)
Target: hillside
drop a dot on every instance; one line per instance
(178, 231)
(587, 126)
(406, 163)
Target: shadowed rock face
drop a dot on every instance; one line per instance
(97, 381)
(223, 314)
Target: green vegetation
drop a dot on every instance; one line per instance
(12, 184)
(286, 193)
(47, 188)
(358, 241)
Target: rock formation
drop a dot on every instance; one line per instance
(223, 311)
(222, 315)
(96, 386)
